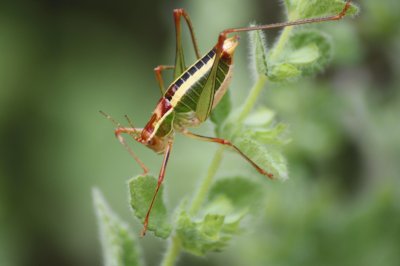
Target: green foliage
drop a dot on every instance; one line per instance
(118, 244)
(228, 201)
(239, 191)
(305, 52)
(141, 191)
(218, 208)
(261, 139)
(209, 234)
(299, 9)
(259, 51)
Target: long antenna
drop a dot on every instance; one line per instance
(131, 124)
(109, 117)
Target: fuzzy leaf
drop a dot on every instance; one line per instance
(305, 53)
(118, 244)
(268, 158)
(240, 192)
(313, 46)
(211, 233)
(284, 71)
(260, 140)
(299, 9)
(258, 51)
(261, 117)
(141, 191)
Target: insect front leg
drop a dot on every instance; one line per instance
(159, 182)
(158, 71)
(230, 144)
(131, 131)
(180, 65)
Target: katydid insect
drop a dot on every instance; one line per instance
(193, 94)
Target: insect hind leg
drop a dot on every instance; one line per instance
(338, 16)
(230, 144)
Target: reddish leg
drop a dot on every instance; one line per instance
(293, 23)
(223, 34)
(158, 71)
(160, 180)
(133, 132)
(228, 143)
(180, 66)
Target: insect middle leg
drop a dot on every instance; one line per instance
(230, 144)
(158, 71)
(159, 182)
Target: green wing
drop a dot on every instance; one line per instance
(206, 98)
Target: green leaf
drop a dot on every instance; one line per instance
(118, 244)
(267, 157)
(142, 189)
(228, 201)
(284, 71)
(260, 139)
(261, 117)
(258, 51)
(299, 9)
(212, 233)
(305, 53)
(241, 193)
(313, 46)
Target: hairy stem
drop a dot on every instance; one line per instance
(201, 194)
(280, 44)
(252, 98)
(174, 246)
(172, 253)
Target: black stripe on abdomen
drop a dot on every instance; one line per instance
(189, 72)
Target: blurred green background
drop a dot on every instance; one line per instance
(63, 61)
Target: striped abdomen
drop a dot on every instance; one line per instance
(185, 91)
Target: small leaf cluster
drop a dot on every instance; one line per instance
(298, 51)
(213, 227)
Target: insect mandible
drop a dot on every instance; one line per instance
(193, 94)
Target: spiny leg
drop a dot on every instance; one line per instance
(120, 130)
(180, 65)
(158, 71)
(159, 182)
(131, 131)
(338, 16)
(228, 143)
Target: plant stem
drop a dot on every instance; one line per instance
(278, 47)
(174, 246)
(252, 98)
(207, 181)
(172, 253)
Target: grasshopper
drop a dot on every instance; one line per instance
(194, 93)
